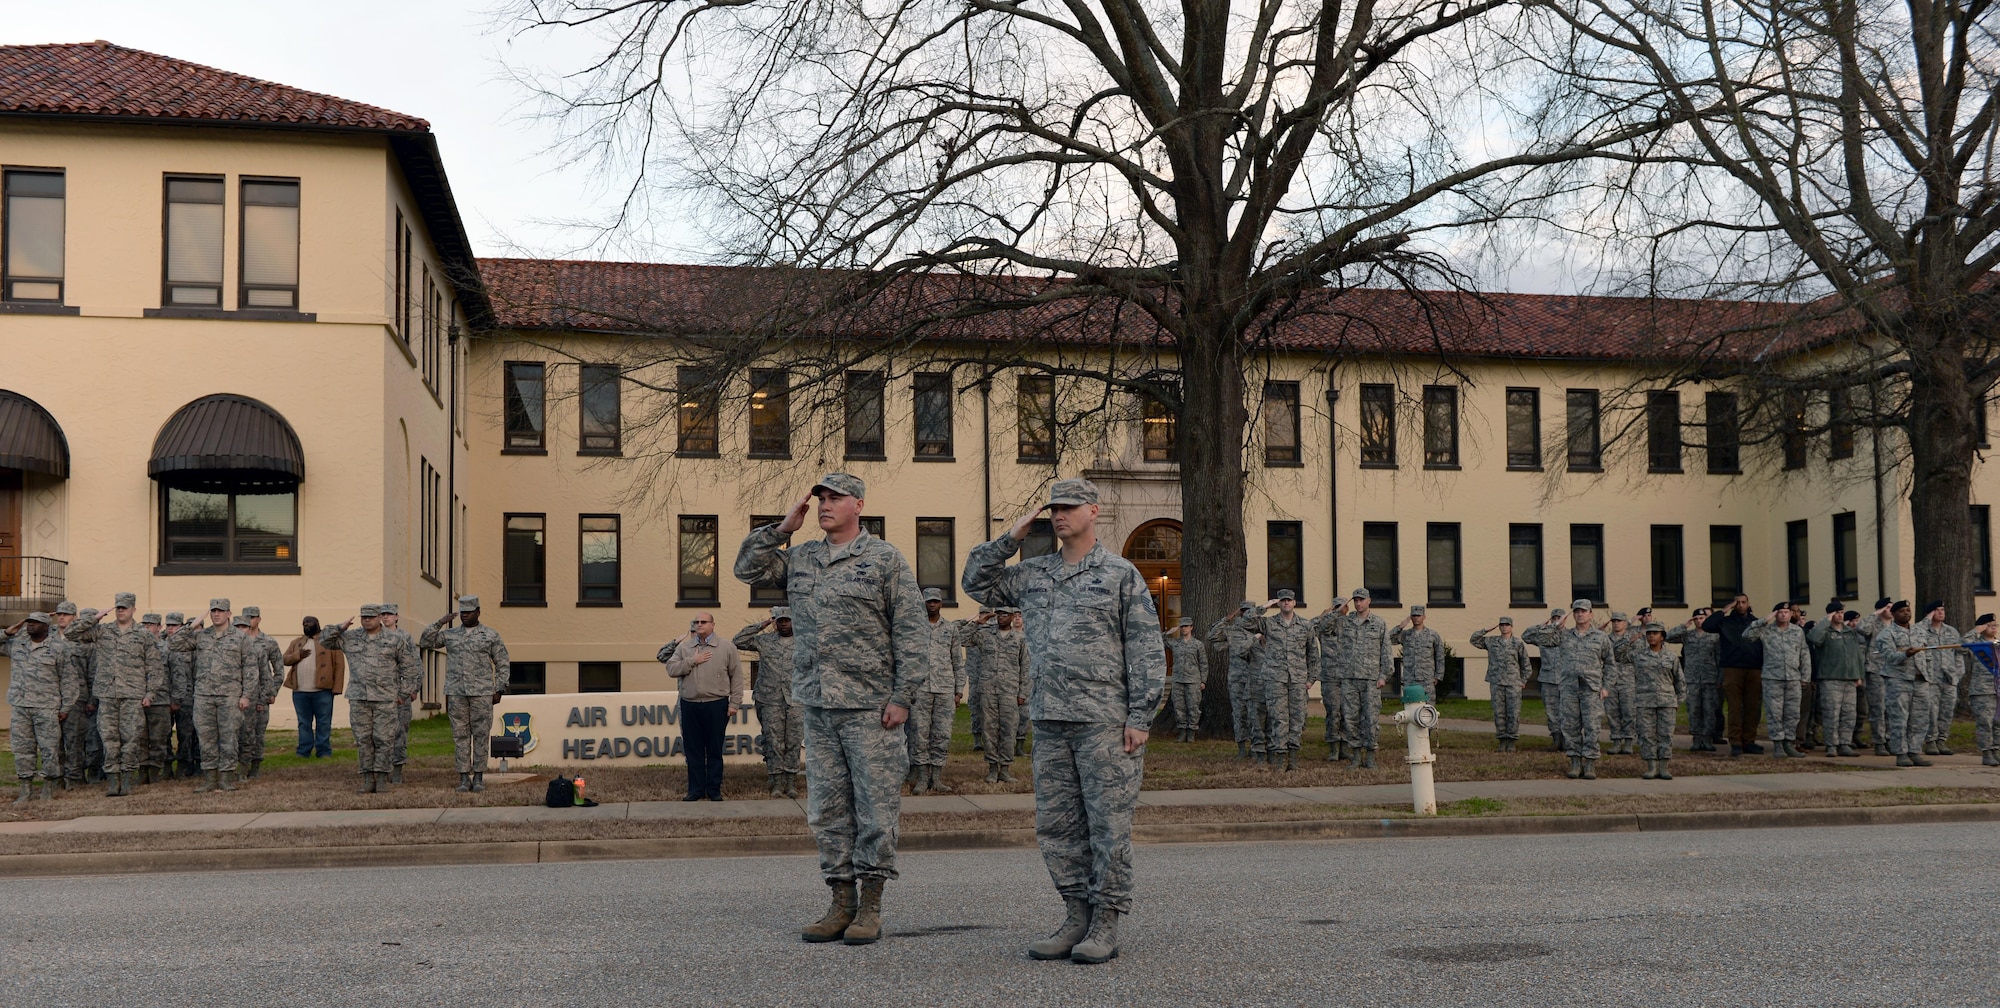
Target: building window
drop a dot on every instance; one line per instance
(1798, 565)
(1846, 557)
(876, 525)
(1040, 541)
(434, 326)
(31, 261)
(1285, 559)
(1524, 428)
(1793, 431)
(599, 677)
(1524, 565)
(1725, 434)
(528, 677)
(1725, 563)
(1035, 418)
(770, 414)
(937, 550)
(1585, 444)
(524, 560)
(1663, 432)
(1669, 566)
(1281, 423)
(1378, 561)
(229, 528)
(1840, 423)
(1442, 569)
(598, 421)
(933, 417)
(1982, 549)
(1159, 430)
(597, 576)
(270, 220)
(194, 243)
(1979, 425)
(697, 559)
(1378, 426)
(525, 400)
(768, 593)
(431, 538)
(864, 415)
(1586, 562)
(399, 266)
(1441, 426)
(699, 395)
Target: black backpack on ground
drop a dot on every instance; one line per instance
(562, 793)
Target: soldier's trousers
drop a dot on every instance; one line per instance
(250, 739)
(471, 731)
(1621, 708)
(1336, 711)
(1582, 712)
(1808, 729)
(1001, 719)
(1985, 732)
(217, 718)
(187, 742)
(1360, 702)
(854, 791)
(1295, 713)
(1506, 711)
(1947, 708)
(1781, 708)
(122, 725)
(35, 735)
(78, 735)
(374, 724)
(1837, 708)
(1878, 706)
(1086, 786)
(1271, 724)
(932, 716)
(1656, 732)
(400, 744)
(1240, 706)
(1705, 710)
(1187, 705)
(975, 686)
(783, 723)
(1552, 717)
(157, 751)
(1909, 708)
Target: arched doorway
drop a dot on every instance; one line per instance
(1155, 548)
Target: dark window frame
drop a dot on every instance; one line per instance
(513, 404)
(1286, 395)
(617, 676)
(1721, 591)
(1583, 442)
(1378, 426)
(1581, 534)
(1663, 431)
(231, 539)
(244, 288)
(167, 203)
(936, 387)
(1668, 548)
(1530, 458)
(1846, 556)
(863, 389)
(616, 594)
(1840, 423)
(773, 386)
(7, 275)
(1982, 549)
(523, 593)
(1722, 416)
(768, 593)
(697, 413)
(1441, 446)
(949, 584)
(1028, 390)
(1794, 440)
(589, 378)
(1157, 419)
(696, 593)
(1453, 593)
(1277, 533)
(1517, 536)
(527, 678)
(1798, 560)
(1389, 593)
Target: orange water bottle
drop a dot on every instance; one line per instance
(579, 791)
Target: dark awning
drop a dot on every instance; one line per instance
(30, 438)
(227, 442)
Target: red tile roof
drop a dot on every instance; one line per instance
(654, 298)
(102, 79)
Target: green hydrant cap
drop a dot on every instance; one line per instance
(1413, 693)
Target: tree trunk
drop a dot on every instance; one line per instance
(1213, 419)
(1941, 432)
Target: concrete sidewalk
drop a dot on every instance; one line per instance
(1374, 794)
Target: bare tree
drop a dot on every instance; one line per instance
(1202, 168)
(1837, 155)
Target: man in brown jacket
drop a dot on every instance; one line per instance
(313, 693)
(709, 674)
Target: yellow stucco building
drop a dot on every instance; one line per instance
(249, 354)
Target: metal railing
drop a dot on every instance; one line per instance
(32, 579)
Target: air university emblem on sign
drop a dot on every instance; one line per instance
(515, 725)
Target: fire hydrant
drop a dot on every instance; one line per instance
(1418, 717)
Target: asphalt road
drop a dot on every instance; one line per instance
(1813, 917)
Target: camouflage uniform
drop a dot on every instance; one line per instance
(156, 751)
(475, 668)
(1423, 658)
(1621, 708)
(1840, 670)
(859, 635)
(399, 747)
(1701, 662)
(1507, 670)
(1329, 680)
(1787, 667)
(43, 685)
(937, 701)
(1658, 688)
(1980, 699)
(270, 660)
(1291, 655)
(131, 668)
(224, 672)
(186, 748)
(1365, 665)
(1551, 679)
(1190, 671)
(783, 721)
(1947, 702)
(1583, 659)
(1004, 656)
(968, 643)
(1096, 668)
(79, 730)
(380, 668)
(1238, 639)
(1913, 680)
(1875, 685)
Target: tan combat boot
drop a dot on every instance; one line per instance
(838, 916)
(939, 786)
(1076, 923)
(227, 782)
(867, 926)
(207, 782)
(1101, 943)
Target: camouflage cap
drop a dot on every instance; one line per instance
(218, 603)
(175, 619)
(1185, 621)
(781, 612)
(983, 608)
(89, 613)
(252, 612)
(1506, 621)
(1618, 616)
(370, 611)
(1248, 606)
(934, 595)
(151, 617)
(468, 603)
(65, 608)
(1286, 593)
(1655, 628)
(37, 617)
(1071, 492)
(240, 620)
(846, 484)
(388, 609)
(1009, 610)
(1582, 603)
(1359, 593)
(125, 600)
(1416, 610)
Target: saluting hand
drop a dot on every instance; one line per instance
(795, 519)
(1023, 524)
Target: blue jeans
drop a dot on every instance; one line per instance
(703, 724)
(315, 711)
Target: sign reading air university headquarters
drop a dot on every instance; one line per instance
(616, 729)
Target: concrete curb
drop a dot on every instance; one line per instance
(572, 851)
